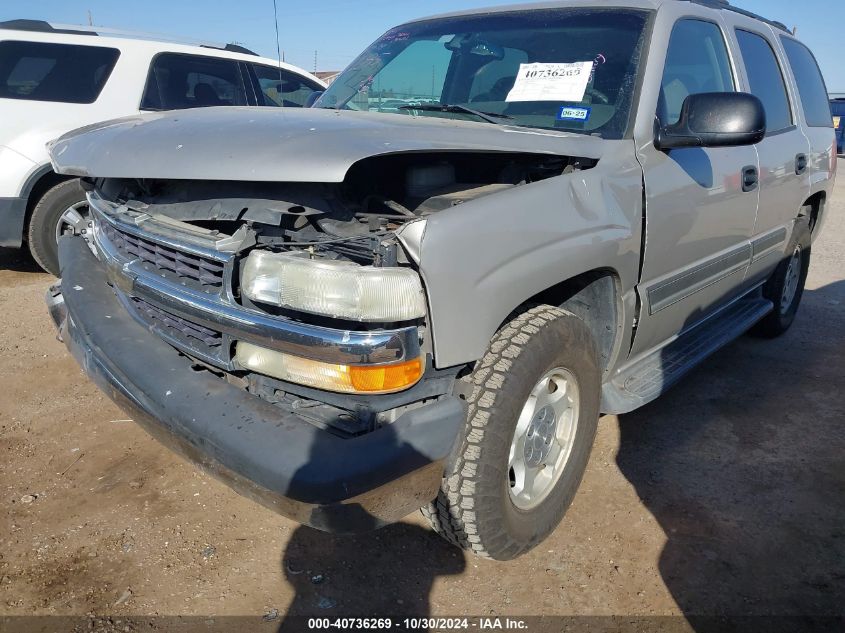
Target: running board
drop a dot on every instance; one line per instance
(648, 378)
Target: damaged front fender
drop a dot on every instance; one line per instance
(484, 259)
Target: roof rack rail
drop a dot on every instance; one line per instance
(727, 6)
(233, 48)
(42, 26)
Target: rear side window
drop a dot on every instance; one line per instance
(811, 86)
(177, 82)
(65, 73)
(280, 87)
(697, 62)
(766, 79)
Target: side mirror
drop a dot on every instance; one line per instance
(715, 119)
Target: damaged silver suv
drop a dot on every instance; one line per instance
(422, 292)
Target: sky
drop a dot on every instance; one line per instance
(339, 29)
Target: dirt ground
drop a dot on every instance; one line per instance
(726, 496)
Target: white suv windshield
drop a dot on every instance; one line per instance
(571, 69)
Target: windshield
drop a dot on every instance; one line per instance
(568, 69)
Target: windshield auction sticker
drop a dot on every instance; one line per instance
(551, 82)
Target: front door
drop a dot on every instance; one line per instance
(701, 203)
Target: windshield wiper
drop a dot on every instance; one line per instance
(490, 117)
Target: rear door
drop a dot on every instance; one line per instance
(815, 111)
(178, 81)
(700, 213)
(785, 152)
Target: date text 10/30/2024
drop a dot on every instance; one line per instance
(424, 624)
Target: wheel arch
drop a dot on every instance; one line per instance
(813, 210)
(38, 183)
(595, 296)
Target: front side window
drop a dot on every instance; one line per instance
(573, 69)
(66, 73)
(177, 81)
(811, 87)
(697, 62)
(282, 88)
(766, 79)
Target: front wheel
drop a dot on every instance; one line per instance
(62, 210)
(532, 417)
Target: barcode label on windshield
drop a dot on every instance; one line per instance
(551, 82)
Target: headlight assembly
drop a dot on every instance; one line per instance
(338, 289)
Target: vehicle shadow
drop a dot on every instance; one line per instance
(743, 466)
(18, 260)
(389, 572)
(384, 573)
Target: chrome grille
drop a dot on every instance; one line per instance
(176, 325)
(201, 271)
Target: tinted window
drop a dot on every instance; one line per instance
(178, 81)
(54, 72)
(696, 62)
(811, 86)
(766, 79)
(280, 87)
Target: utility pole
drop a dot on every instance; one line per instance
(90, 19)
(315, 61)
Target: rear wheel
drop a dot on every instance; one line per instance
(786, 285)
(533, 412)
(62, 210)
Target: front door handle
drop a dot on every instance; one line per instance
(750, 179)
(800, 164)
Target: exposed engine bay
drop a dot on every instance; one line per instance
(349, 220)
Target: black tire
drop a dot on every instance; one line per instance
(474, 509)
(780, 319)
(45, 218)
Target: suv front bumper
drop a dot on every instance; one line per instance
(264, 452)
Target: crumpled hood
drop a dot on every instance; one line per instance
(283, 145)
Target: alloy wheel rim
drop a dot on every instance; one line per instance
(790, 285)
(543, 439)
(75, 220)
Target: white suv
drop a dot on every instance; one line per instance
(56, 78)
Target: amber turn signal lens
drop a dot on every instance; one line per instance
(385, 378)
(328, 376)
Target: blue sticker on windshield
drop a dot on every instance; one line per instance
(574, 114)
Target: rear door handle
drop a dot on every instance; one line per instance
(750, 179)
(800, 164)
